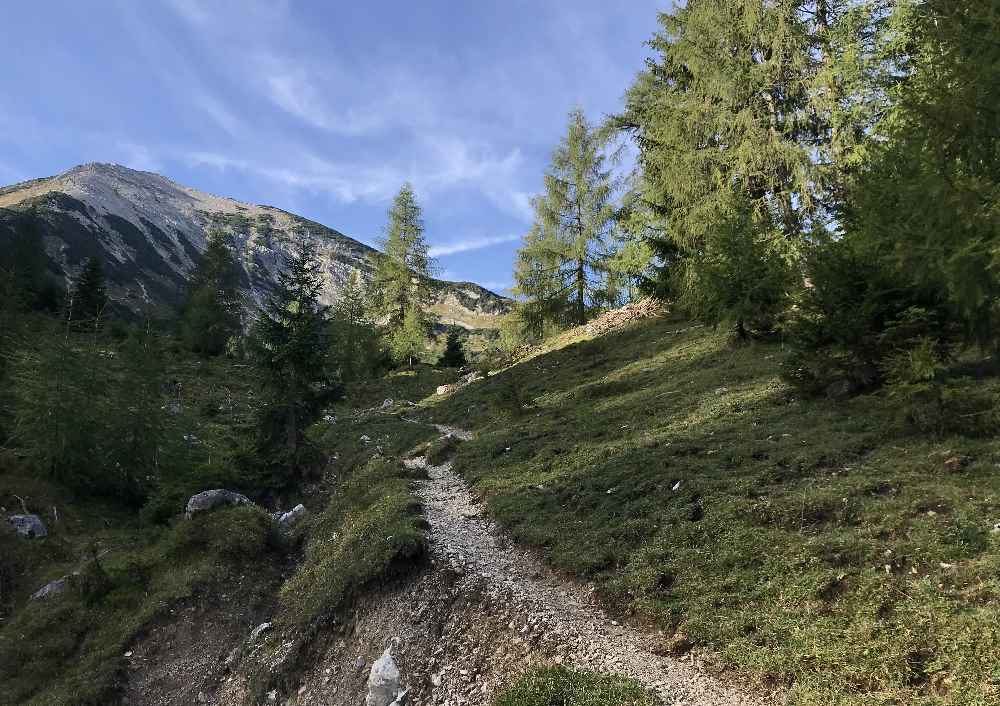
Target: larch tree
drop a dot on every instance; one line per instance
(409, 340)
(356, 346)
(404, 266)
(927, 200)
(561, 264)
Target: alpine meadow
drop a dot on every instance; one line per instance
(664, 370)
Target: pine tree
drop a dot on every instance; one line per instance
(291, 347)
(561, 263)
(212, 314)
(403, 268)
(136, 418)
(454, 353)
(89, 296)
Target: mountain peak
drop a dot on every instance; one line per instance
(149, 231)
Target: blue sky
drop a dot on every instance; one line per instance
(323, 108)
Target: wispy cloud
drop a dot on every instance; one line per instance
(293, 91)
(469, 244)
(139, 157)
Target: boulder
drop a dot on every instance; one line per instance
(287, 519)
(28, 526)
(51, 589)
(211, 499)
(443, 389)
(387, 403)
(383, 681)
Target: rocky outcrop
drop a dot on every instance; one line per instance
(211, 499)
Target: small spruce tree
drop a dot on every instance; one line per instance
(212, 314)
(290, 344)
(89, 296)
(454, 352)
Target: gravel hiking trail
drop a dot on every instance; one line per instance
(463, 539)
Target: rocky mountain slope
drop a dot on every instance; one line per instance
(148, 231)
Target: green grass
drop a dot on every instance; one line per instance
(695, 488)
(562, 687)
(371, 529)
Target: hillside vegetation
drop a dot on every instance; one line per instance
(822, 547)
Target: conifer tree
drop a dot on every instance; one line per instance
(212, 314)
(926, 203)
(405, 265)
(291, 347)
(355, 342)
(409, 341)
(562, 261)
(751, 113)
(89, 296)
(454, 353)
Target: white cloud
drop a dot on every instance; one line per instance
(139, 157)
(469, 244)
(297, 95)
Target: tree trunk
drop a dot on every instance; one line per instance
(741, 330)
(581, 285)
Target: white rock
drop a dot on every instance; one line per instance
(51, 589)
(291, 517)
(28, 526)
(383, 681)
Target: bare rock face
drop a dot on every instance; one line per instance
(28, 526)
(383, 682)
(211, 499)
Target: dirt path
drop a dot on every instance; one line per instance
(467, 542)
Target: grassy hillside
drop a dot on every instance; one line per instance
(819, 547)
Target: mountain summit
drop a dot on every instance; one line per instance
(148, 231)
